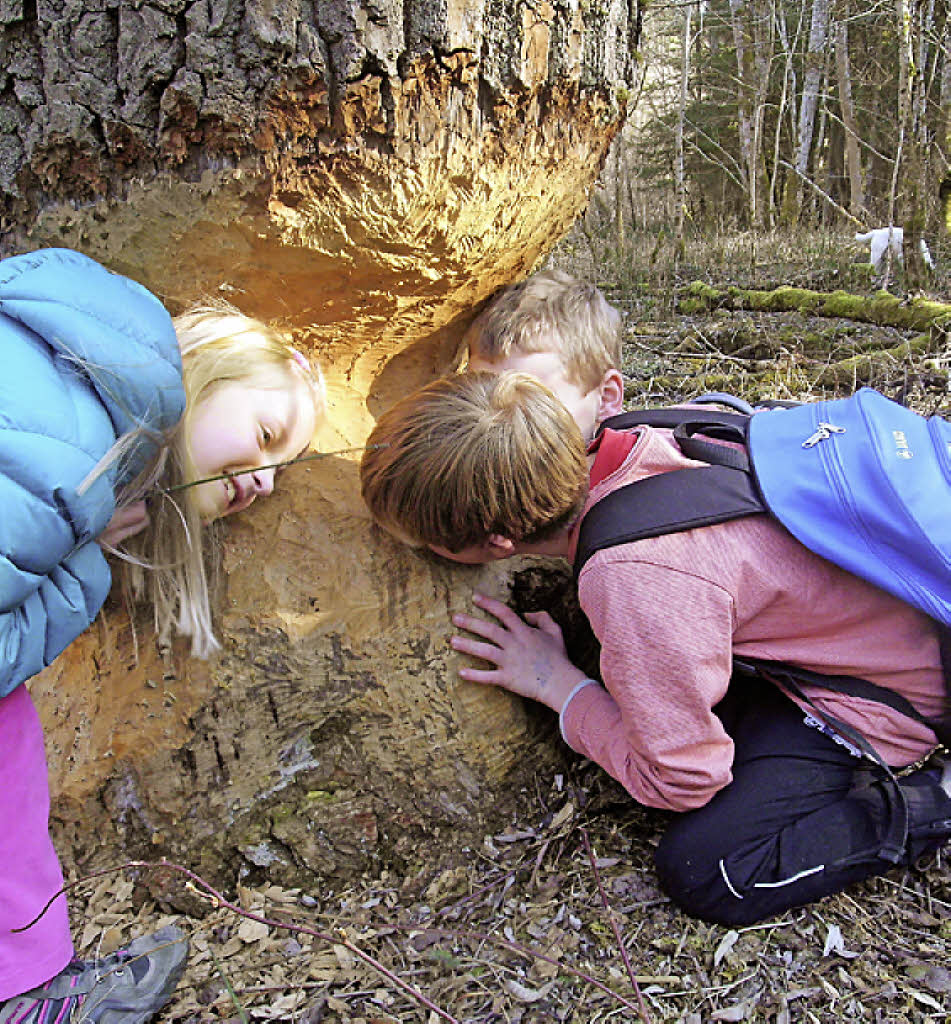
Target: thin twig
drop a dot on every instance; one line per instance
(504, 879)
(517, 947)
(212, 895)
(645, 1016)
(825, 195)
(308, 457)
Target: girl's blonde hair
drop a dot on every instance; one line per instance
(551, 311)
(473, 455)
(167, 564)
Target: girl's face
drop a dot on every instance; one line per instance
(237, 427)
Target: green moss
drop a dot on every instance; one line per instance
(320, 796)
(934, 311)
(787, 297)
(283, 812)
(701, 290)
(842, 304)
(444, 958)
(880, 308)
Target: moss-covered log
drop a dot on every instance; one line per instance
(918, 314)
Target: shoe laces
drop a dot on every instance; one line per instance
(68, 1008)
(53, 1011)
(63, 1010)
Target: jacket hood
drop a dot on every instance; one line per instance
(119, 333)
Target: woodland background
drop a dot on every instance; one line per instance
(760, 136)
(767, 114)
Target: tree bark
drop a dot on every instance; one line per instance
(365, 172)
(847, 108)
(815, 61)
(679, 176)
(910, 188)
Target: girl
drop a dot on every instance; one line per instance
(102, 405)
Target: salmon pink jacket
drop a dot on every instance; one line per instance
(670, 613)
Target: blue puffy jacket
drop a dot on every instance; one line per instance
(85, 356)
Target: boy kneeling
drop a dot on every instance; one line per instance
(778, 810)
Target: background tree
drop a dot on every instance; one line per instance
(918, 41)
(679, 175)
(808, 103)
(853, 159)
(791, 112)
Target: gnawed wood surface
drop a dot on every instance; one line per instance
(365, 173)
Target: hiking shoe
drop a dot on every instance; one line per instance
(126, 987)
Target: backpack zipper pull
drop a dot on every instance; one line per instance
(823, 433)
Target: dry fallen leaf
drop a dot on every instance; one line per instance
(252, 931)
(731, 1013)
(926, 1000)
(524, 994)
(726, 944)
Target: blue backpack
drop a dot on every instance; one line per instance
(862, 481)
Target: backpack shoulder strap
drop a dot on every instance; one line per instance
(681, 499)
(687, 423)
(704, 450)
(672, 417)
(788, 677)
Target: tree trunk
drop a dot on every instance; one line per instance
(787, 104)
(763, 45)
(745, 105)
(815, 61)
(847, 108)
(365, 172)
(680, 186)
(820, 147)
(944, 132)
(910, 190)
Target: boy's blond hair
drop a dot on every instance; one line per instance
(551, 311)
(475, 455)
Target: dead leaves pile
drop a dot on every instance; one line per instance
(519, 933)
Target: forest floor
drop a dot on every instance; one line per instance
(559, 917)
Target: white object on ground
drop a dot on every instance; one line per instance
(881, 238)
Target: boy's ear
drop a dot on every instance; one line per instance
(611, 395)
(497, 546)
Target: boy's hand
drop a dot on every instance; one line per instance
(126, 522)
(529, 655)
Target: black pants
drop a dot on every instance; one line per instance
(802, 818)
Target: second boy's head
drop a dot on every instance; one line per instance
(475, 466)
(563, 332)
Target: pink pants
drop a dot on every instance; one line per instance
(29, 868)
